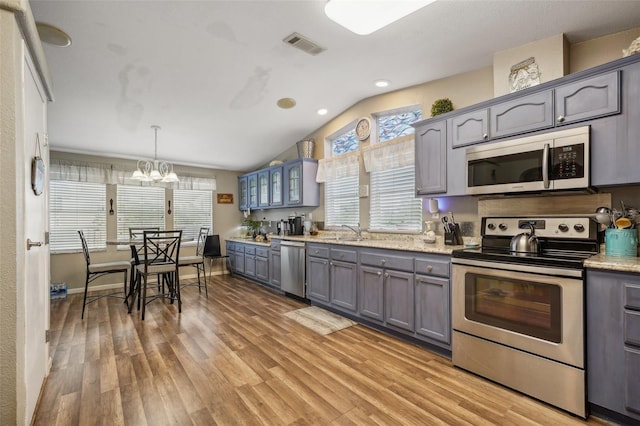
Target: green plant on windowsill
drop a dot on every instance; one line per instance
(440, 106)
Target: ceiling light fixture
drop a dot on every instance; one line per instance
(365, 17)
(382, 83)
(322, 111)
(156, 171)
(286, 103)
(52, 35)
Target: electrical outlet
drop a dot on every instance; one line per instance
(466, 228)
(363, 191)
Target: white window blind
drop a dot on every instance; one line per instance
(139, 207)
(394, 206)
(75, 206)
(192, 210)
(342, 205)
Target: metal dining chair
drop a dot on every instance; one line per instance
(161, 254)
(197, 261)
(97, 270)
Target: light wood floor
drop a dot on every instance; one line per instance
(234, 358)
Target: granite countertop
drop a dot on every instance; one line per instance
(613, 263)
(413, 243)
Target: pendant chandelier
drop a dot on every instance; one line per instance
(156, 171)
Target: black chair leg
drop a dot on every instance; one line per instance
(84, 301)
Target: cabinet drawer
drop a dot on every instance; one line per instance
(632, 296)
(262, 252)
(632, 328)
(399, 263)
(432, 266)
(250, 250)
(275, 245)
(345, 255)
(239, 248)
(318, 250)
(231, 247)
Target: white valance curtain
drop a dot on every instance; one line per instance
(345, 165)
(389, 155)
(79, 171)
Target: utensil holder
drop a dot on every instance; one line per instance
(453, 238)
(621, 242)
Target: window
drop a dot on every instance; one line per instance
(191, 210)
(77, 206)
(394, 206)
(341, 178)
(139, 207)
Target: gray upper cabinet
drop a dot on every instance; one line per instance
(586, 99)
(521, 115)
(431, 158)
(292, 184)
(263, 189)
(469, 128)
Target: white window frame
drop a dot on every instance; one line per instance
(335, 190)
(393, 204)
(192, 209)
(139, 206)
(77, 206)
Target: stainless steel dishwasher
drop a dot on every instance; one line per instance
(293, 267)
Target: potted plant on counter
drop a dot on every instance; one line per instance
(253, 226)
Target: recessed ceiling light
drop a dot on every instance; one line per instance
(381, 83)
(365, 17)
(323, 111)
(286, 103)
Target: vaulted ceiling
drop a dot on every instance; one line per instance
(210, 72)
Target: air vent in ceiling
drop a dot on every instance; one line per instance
(304, 44)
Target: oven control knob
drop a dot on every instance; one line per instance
(562, 227)
(578, 227)
(491, 226)
(503, 226)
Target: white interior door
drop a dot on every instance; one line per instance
(36, 282)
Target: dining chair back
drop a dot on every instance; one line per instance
(213, 251)
(97, 270)
(161, 254)
(197, 261)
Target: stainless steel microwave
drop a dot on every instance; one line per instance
(545, 162)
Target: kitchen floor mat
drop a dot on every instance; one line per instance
(321, 321)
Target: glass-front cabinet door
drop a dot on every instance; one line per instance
(252, 183)
(275, 182)
(263, 188)
(243, 195)
(294, 183)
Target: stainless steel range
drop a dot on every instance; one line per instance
(518, 317)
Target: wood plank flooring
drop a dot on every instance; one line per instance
(235, 358)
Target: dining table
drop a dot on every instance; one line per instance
(134, 244)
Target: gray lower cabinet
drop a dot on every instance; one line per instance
(371, 295)
(262, 264)
(344, 284)
(274, 265)
(238, 259)
(613, 341)
(433, 308)
(250, 261)
(318, 273)
(431, 158)
(399, 299)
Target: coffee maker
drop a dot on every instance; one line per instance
(295, 225)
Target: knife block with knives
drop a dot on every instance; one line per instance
(452, 233)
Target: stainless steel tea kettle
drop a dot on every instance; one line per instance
(525, 242)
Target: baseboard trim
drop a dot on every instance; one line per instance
(119, 285)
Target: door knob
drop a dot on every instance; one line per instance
(33, 243)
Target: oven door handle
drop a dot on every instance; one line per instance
(545, 165)
(543, 270)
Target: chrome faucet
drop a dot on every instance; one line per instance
(357, 230)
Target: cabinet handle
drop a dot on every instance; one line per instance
(386, 275)
(560, 118)
(330, 263)
(485, 136)
(342, 256)
(379, 273)
(316, 251)
(324, 263)
(383, 261)
(429, 268)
